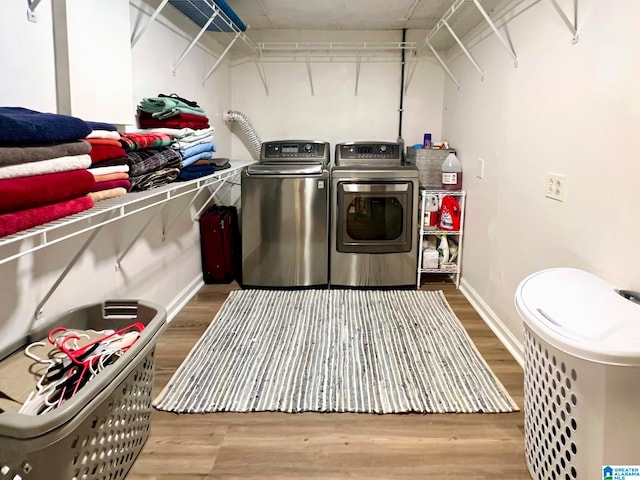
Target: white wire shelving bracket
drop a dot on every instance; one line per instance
(571, 24)
(31, 10)
(445, 22)
(213, 12)
(412, 63)
(221, 181)
(263, 75)
(219, 59)
(309, 74)
(358, 62)
(39, 313)
(194, 40)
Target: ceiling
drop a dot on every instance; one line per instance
(353, 14)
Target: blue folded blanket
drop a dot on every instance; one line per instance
(109, 127)
(197, 171)
(190, 160)
(21, 126)
(198, 148)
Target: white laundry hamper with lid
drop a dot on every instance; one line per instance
(582, 376)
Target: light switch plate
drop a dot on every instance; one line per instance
(480, 168)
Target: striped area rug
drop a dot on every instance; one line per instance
(363, 351)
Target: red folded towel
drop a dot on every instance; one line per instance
(15, 222)
(182, 120)
(23, 193)
(103, 141)
(100, 153)
(111, 176)
(111, 184)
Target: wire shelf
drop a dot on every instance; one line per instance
(105, 212)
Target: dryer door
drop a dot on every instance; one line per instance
(374, 216)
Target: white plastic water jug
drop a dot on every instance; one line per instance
(451, 173)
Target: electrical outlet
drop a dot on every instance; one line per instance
(480, 168)
(555, 186)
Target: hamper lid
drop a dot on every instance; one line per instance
(581, 314)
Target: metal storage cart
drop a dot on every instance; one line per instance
(582, 376)
(98, 433)
(454, 268)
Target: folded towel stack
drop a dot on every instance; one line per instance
(108, 162)
(187, 124)
(43, 168)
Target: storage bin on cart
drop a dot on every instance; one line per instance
(582, 376)
(99, 432)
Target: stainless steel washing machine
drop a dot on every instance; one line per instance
(374, 214)
(285, 216)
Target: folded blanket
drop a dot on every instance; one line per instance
(16, 155)
(191, 103)
(62, 164)
(139, 141)
(178, 124)
(104, 134)
(173, 132)
(164, 107)
(191, 172)
(110, 162)
(192, 141)
(202, 161)
(100, 153)
(154, 179)
(196, 171)
(21, 126)
(144, 161)
(110, 176)
(107, 170)
(198, 148)
(18, 221)
(220, 162)
(101, 126)
(106, 194)
(104, 141)
(126, 184)
(194, 158)
(29, 192)
(179, 117)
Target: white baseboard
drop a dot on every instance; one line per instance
(180, 300)
(510, 342)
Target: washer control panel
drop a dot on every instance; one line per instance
(369, 153)
(295, 150)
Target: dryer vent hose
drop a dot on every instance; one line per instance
(247, 128)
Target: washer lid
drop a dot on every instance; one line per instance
(301, 169)
(581, 314)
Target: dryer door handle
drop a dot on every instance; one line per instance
(375, 187)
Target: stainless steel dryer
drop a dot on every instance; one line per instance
(285, 216)
(374, 214)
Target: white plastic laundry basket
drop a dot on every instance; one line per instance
(582, 376)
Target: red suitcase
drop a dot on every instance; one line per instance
(220, 244)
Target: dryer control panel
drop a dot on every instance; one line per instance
(368, 153)
(295, 151)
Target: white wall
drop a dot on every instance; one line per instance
(162, 272)
(92, 58)
(334, 113)
(569, 109)
(28, 71)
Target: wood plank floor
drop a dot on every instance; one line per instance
(331, 446)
